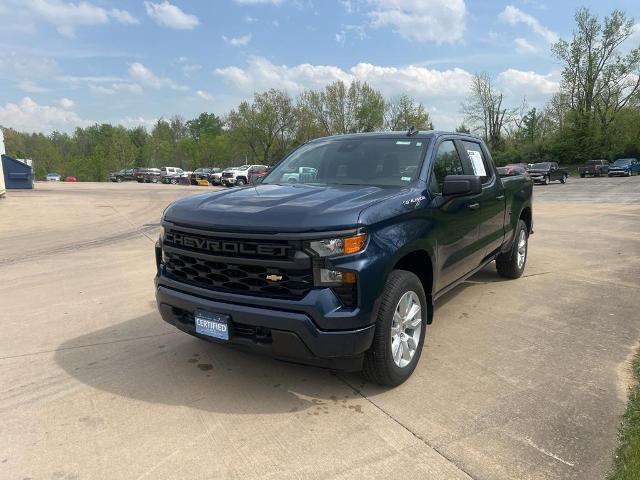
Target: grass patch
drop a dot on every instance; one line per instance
(626, 465)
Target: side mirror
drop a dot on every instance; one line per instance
(461, 185)
(257, 180)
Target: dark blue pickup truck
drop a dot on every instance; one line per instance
(337, 256)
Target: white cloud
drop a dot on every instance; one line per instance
(529, 84)
(31, 87)
(101, 90)
(258, 2)
(66, 16)
(237, 41)
(514, 16)
(146, 77)
(204, 95)
(250, 19)
(18, 65)
(261, 74)
(123, 16)
(439, 21)
(349, 31)
(28, 116)
(524, 47)
(137, 122)
(66, 103)
(168, 15)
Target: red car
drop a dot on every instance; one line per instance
(70, 179)
(257, 172)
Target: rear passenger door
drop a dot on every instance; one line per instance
(456, 219)
(491, 200)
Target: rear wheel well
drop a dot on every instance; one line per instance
(419, 263)
(525, 216)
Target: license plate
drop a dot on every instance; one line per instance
(212, 324)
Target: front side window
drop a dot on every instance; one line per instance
(383, 162)
(446, 162)
(481, 167)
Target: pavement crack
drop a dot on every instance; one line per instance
(405, 427)
(88, 345)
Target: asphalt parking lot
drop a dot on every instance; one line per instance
(521, 379)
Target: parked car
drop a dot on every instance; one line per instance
(594, 168)
(360, 255)
(53, 177)
(215, 178)
(302, 174)
(171, 175)
(124, 175)
(240, 175)
(545, 172)
(70, 179)
(625, 167)
(146, 174)
(202, 173)
(257, 173)
(512, 169)
(151, 175)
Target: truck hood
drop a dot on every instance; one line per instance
(278, 208)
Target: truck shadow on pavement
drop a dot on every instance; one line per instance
(145, 359)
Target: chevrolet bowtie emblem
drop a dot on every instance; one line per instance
(274, 278)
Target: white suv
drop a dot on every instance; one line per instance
(239, 175)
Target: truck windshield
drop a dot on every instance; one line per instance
(384, 162)
(622, 161)
(541, 166)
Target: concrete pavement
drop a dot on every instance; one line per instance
(519, 379)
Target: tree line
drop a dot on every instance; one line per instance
(259, 131)
(595, 114)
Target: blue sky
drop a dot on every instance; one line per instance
(65, 64)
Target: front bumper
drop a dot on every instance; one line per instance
(623, 173)
(282, 333)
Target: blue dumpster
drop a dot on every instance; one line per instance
(16, 173)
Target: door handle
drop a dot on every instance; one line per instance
(473, 206)
(500, 197)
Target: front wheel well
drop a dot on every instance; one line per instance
(527, 218)
(419, 263)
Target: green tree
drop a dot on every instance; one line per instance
(404, 112)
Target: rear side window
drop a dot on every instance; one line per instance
(481, 167)
(446, 162)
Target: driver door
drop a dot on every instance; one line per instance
(456, 219)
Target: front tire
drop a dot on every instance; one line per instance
(400, 326)
(512, 263)
(173, 181)
(545, 180)
(240, 182)
(563, 179)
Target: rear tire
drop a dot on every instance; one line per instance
(119, 179)
(545, 180)
(512, 263)
(582, 175)
(396, 331)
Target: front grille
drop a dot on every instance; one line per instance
(236, 277)
(227, 174)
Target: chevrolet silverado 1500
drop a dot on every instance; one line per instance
(341, 268)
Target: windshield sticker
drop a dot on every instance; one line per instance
(418, 144)
(477, 163)
(406, 179)
(403, 142)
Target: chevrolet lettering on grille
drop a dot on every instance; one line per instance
(226, 246)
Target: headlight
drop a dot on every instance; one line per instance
(334, 247)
